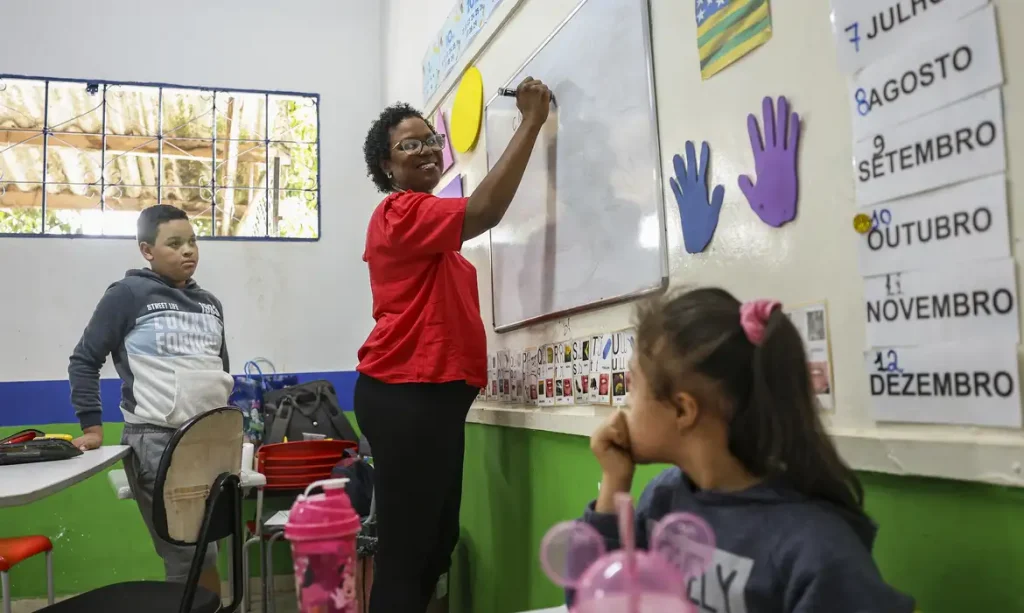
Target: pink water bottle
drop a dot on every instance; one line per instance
(322, 529)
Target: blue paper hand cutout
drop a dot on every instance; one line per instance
(699, 216)
(774, 197)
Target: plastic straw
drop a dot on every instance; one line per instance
(627, 536)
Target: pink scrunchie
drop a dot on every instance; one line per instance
(754, 317)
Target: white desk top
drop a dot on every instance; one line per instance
(277, 520)
(561, 609)
(25, 483)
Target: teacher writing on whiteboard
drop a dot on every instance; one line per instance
(426, 358)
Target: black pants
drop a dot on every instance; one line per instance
(418, 435)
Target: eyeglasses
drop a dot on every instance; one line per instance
(415, 146)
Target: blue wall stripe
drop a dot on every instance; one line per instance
(37, 403)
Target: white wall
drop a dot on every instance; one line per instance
(304, 305)
(408, 26)
(812, 259)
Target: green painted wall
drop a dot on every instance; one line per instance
(955, 546)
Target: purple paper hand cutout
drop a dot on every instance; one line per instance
(698, 214)
(774, 197)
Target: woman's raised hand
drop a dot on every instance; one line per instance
(534, 101)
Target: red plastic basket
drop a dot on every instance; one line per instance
(273, 470)
(305, 449)
(298, 461)
(292, 482)
(297, 485)
(294, 465)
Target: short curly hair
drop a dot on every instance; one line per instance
(377, 146)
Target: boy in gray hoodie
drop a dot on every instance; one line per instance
(722, 391)
(166, 337)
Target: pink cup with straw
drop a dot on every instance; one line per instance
(322, 530)
(629, 580)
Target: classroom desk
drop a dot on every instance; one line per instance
(24, 483)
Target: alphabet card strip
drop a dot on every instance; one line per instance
(504, 375)
(623, 344)
(960, 384)
(955, 63)
(954, 144)
(546, 389)
(601, 369)
(956, 224)
(868, 30)
(492, 377)
(531, 376)
(972, 302)
(518, 377)
(563, 379)
(581, 370)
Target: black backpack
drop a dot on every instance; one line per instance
(359, 488)
(305, 409)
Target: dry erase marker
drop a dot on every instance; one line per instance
(511, 93)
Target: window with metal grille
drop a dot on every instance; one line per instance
(83, 158)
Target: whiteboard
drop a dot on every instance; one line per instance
(587, 225)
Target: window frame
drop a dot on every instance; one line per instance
(160, 86)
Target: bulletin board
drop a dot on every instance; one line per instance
(913, 175)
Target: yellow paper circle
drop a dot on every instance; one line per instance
(862, 223)
(467, 111)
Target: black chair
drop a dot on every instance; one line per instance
(197, 500)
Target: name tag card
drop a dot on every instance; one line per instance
(956, 224)
(973, 302)
(946, 384)
(957, 62)
(867, 30)
(954, 144)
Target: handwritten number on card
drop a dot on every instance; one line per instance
(854, 30)
(861, 99)
(889, 362)
(881, 217)
(879, 146)
(893, 285)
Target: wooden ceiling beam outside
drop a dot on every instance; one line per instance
(178, 148)
(16, 199)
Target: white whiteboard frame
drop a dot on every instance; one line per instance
(658, 179)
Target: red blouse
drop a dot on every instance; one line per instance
(425, 298)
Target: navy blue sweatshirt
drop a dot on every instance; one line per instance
(777, 550)
(168, 348)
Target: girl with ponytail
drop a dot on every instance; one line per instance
(721, 391)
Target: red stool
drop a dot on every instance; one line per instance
(18, 549)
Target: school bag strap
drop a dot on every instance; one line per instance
(281, 420)
(307, 408)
